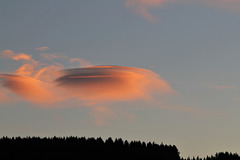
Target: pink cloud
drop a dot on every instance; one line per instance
(82, 62)
(222, 87)
(231, 5)
(102, 114)
(44, 48)
(52, 56)
(142, 7)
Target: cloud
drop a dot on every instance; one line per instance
(102, 114)
(44, 48)
(92, 84)
(9, 54)
(26, 70)
(111, 83)
(222, 87)
(52, 56)
(82, 62)
(44, 82)
(28, 88)
(142, 7)
(230, 5)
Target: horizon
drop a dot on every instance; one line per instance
(173, 79)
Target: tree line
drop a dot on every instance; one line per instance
(69, 148)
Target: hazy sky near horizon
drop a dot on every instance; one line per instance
(178, 84)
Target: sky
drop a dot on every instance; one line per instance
(150, 70)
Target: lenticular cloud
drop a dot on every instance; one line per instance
(91, 84)
(110, 83)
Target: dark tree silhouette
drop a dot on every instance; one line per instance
(79, 148)
(69, 148)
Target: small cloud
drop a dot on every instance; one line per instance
(102, 114)
(230, 5)
(44, 48)
(9, 54)
(52, 56)
(222, 87)
(25, 70)
(82, 62)
(142, 7)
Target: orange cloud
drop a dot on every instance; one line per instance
(142, 7)
(30, 89)
(92, 84)
(44, 48)
(26, 70)
(15, 56)
(111, 83)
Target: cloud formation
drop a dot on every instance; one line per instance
(92, 84)
(9, 54)
(222, 87)
(230, 5)
(143, 7)
(45, 82)
(44, 48)
(111, 83)
(82, 62)
(28, 88)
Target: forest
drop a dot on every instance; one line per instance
(72, 148)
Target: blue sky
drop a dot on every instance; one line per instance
(193, 46)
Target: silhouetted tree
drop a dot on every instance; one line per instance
(76, 148)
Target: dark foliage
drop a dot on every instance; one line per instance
(69, 148)
(218, 156)
(36, 148)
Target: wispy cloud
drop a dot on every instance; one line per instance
(53, 56)
(9, 54)
(82, 62)
(222, 86)
(44, 48)
(142, 7)
(102, 114)
(230, 5)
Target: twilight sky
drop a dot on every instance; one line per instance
(151, 70)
